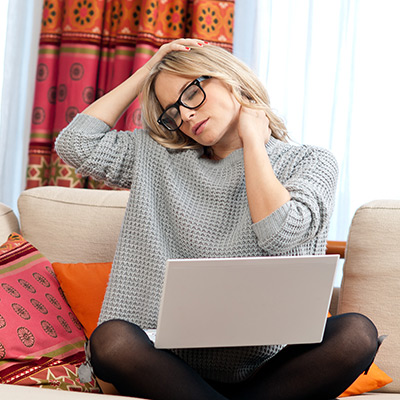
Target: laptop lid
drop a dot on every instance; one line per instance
(245, 301)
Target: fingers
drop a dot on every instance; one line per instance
(255, 112)
(182, 45)
(176, 45)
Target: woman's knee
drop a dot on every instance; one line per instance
(114, 342)
(362, 329)
(357, 334)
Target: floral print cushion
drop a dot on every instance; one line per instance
(41, 340)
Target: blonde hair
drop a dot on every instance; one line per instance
(210, 61)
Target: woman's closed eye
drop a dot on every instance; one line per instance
(173, 112)
(191, 94)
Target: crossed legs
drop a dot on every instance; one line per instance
(122, 354)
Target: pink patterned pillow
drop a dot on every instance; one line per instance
(38, 330)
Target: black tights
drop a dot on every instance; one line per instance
(122, 354)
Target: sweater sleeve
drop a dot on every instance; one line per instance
(94, 149)
(311, 182)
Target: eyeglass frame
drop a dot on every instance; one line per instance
(179, 102)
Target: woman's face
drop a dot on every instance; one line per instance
(213, 123)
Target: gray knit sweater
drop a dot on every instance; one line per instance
(183, 205)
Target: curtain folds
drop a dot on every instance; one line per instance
(88, 47)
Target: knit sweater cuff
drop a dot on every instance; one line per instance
(87, 123)
(273, 223)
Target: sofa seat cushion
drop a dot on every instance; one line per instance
(376, 396)
(24, 393)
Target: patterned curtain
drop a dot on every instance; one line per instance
(87, 47)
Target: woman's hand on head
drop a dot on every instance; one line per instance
(253, 126)
(110, 107)
(176, 45)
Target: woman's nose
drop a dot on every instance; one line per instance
(186, 113)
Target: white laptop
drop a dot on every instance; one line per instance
(244, 301)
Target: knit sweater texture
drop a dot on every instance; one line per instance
(183, 205)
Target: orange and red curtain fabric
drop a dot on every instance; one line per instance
(87, 47)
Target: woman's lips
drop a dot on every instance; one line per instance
(198, 128)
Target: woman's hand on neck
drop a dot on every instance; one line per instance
(251, 128)
(265, 193)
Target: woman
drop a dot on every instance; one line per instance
(211, 176)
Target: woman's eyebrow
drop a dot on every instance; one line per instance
(183, 87)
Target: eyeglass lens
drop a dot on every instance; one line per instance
(191, 98)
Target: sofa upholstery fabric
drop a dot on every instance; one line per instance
(371, 278)
(8, 222)
(88, 223)
(78, 225)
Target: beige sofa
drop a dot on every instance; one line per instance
(78, 225)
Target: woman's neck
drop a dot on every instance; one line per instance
(222, 150)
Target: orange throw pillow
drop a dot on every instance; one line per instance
(374, 379)
(84, 286)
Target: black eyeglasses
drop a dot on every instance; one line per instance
(192, 97)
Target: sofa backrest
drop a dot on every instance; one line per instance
(72, 225)
(371, 278)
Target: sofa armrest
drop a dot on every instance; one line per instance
(336, 247)
(8, 222)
